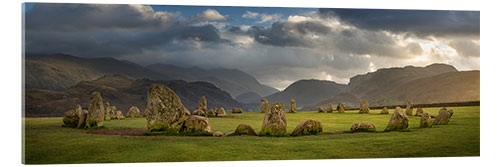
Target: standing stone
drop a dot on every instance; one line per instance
(320, 110)
(237, 111)
(196, 123)
(399, 120)
(83, 119)
(340, 108)
(212, 112)
(244, 129)
(443, 117)
(119, 114)
(363, 127)
(113, 114)
(329, 108)
(274, 123)
(264, 106)
(419, 112)
(72, 117)
(409, 108)
(425, 120)
(199, 112)
(384, 111)
(363, 107)
(292, 106)
(134, 112)
(221, 112)
(95, 117)
(166, 111)
(107, 109)
(308, 127)
(202, 104)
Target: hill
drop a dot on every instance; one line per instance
(61, 71)
(123, 92)
(234, 81)
(249, 98)
(306, 92)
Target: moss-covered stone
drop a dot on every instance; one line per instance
(363, 127)
(308, 127)
(293, 106)
(199, 112)
(264, 105)
(274, 123)
(409, 108)
(425, 120)
(443, 117)
(320, 110)
(340, 108)
(165, 109)
(244, 129)
(107, 111)
(399, 120)
(237, 111)
(202, 104)
(72, 117)
(364, 107)
(329, 108)
(96, 113)
(221, 112)
(134, 112)
(212, 112)
(384, 110)
(196, 123)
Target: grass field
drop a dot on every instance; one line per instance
(46, 142)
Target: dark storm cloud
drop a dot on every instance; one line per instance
(288, 33)
(109, 30)
(419, 22)
(80, 17)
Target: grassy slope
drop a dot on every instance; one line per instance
(48, 142)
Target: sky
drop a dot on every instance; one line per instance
(275, 45)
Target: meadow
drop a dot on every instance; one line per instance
(47, 142)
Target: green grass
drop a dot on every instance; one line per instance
(47, 142)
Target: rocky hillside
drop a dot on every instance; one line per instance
(307, 92)
(122, 92)
(249, 98)
(234, 81)
(61, 71)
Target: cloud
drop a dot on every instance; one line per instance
(263, 17)
(82, 17)
(466, 48)
(422, 23)
(210, 15)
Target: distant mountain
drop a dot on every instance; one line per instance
(378, 82)
(249, 98)
(307, 92)
(234, 81)
(122, 92)
(436, 83)
(61, 71)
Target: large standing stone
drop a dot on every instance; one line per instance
(264, 106)
(399, 120)
(409, 108)
(363, 127)
(166, 111)
(443, 117)
(107, 111)
(419, 112)
(244, 129)
(274, 123)
(308, 127)
(425, 120)
(202, 104)
(112, 112)
(340, 108)
(199, 112)
(320, 110)
(384, 111)
(212, 112)
(329, 108)
(95, 117)
(134, 112)
(237, 111)
(83, 119)
(221, 112)
(293, 106)
(364, 108)
(196, 123)
(72, 117)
